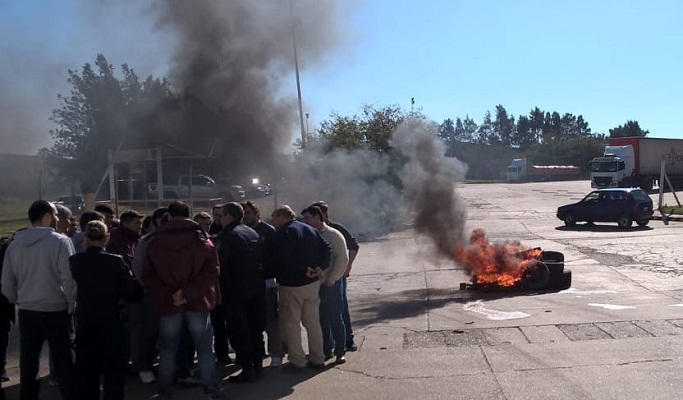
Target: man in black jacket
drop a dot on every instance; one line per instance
(103, 279)
(240, 251)
(300, 254)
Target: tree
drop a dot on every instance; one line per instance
(470, 130)
(629, 129)
(504, 126)
(486, 134)
(447, 131)
(100, 113)
(371, 129)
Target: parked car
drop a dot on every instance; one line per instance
(75, 203)
(620, 205)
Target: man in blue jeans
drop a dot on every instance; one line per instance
(352, 246)
(181, 273)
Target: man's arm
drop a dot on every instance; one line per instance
(66, 281)
(9, 279)
(340, 259)
(352, 256)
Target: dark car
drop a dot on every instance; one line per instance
(620, 205)
(75, 203)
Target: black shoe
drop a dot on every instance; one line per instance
(351, 347)
(243, 377)
(224, 360)
(315, 366)
(341, 359)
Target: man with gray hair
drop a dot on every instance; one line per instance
(300, 256)
(36, 277)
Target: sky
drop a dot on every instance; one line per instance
(609, 61)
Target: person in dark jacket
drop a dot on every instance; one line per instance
(180, 273)
(103, 280)
(300, 255)
(123, 241)
(243, 290)
(252, 218)
(7, 315)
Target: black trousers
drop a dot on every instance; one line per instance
(100, 351)
(220, 331)
(246, 317)
(35, 327)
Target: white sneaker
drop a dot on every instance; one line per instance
(147, 377)
(275, 361)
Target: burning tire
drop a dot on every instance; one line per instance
(536, 276)
(566, 279)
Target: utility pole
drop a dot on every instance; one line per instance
(298, 84)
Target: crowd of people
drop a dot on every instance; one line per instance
(117, 295)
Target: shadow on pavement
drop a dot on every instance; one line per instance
(276, 383)
(602, 228)
(415, 302)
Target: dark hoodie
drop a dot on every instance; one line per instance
(36, 274)
(180, 256)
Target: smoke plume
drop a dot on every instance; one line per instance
(429, 180)
(371, 192)
(231, 61)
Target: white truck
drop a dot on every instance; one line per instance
(636, 162)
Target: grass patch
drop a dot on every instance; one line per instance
(8, 227)
(669, 210)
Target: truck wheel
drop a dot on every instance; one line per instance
(625, 221)
(569, 220)
(643, 222)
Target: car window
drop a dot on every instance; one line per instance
(593, 196)
(640, 195)
(617, 196)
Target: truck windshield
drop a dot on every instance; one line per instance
(512, 169)
(603, 166)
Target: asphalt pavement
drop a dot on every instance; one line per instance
(617, 333)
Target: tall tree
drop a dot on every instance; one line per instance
(486, 134)
(447, 131)
(504, 126)
(99, 114)
(370, 130)
(629, 129)
(470, 129)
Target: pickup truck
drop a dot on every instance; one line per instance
(201, 186)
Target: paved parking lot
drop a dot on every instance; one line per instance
(616, 333)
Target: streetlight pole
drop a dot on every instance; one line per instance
(298, 83)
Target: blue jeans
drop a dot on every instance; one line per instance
(345, 314)
(331, 322)
(170, 328)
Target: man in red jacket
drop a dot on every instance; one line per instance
(181, 274)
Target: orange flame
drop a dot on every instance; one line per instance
(499, 264)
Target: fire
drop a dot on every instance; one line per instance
(498, 264)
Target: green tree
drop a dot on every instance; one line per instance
(486, 133)
(504, 126)
(370, 130)
(100, 113)
(629, 129)
(470, 129)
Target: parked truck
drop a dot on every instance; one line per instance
(199, 187)
(521, 171)
(636, 162)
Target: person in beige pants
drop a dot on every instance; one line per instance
(300, 256)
